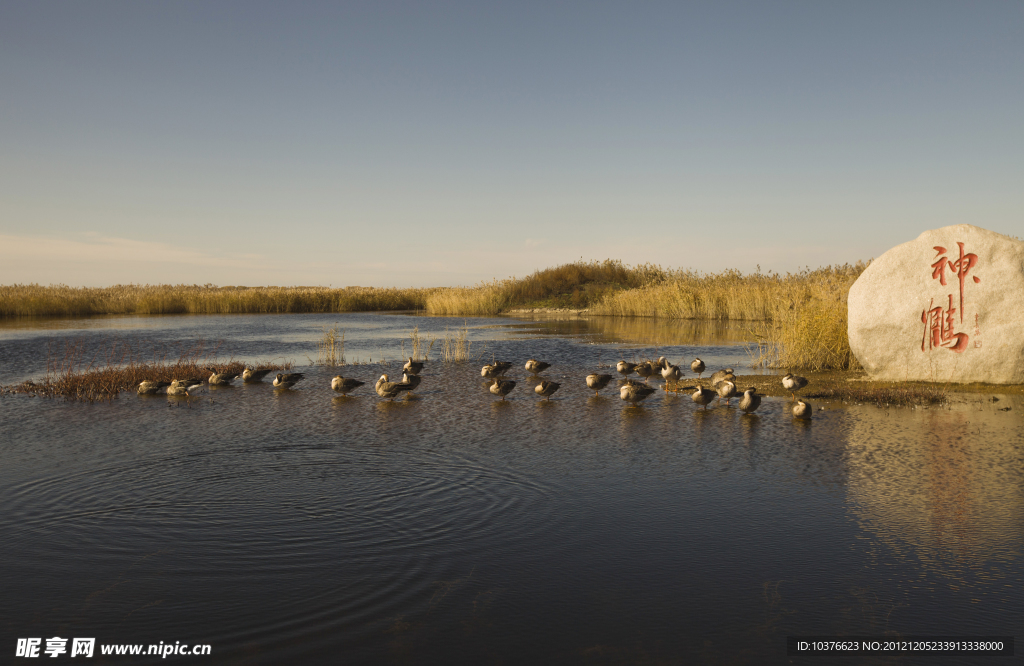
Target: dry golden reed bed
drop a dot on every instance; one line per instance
(61, 300)
(796, 320)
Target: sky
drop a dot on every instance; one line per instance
(446, 143)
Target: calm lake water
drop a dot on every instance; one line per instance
(302, 527)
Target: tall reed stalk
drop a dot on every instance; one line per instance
(330, 349)
(421, 345)
(455, 348)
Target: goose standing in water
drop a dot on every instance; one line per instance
(411, 380)
(646, 370)
(703, 396)
(634, 392)
(388, 389)
(183, 386)
(671, 373)
(546, 389)
(288, 381)
(535, 366)
(723, 375)
(345, 386)
(489, 372)
(697, 367)
(177, 388)
(750, 400)
(150, 387)
(597, 382)
(625, 368)
(792, 383)
(250, 376)
(502, 387)
(502, 367)
(726, 389)
(221, 378)
(802, 409)
(412, 367)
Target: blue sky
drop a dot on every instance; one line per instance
(419, 144)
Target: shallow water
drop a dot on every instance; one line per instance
(302, 527)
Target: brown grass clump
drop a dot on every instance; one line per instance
(572, 286)
(71, 377)
(62, 300)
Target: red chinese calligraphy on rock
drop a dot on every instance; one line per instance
(938, 329)
(939, 324)
(960, 268)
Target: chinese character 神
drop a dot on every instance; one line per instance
(960, 268)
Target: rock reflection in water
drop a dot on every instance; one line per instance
(942, 481)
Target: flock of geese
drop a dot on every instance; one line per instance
(722, 383)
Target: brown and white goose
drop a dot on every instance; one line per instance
(502, 387)
(546, 389)
(287, 381)
(534, 366)
(792, 383)
(703, 396)
(802, 409)
(221, 378)
(388, 389)
(634, 392)
(412, 367)
(250, 376)
(597, 382)
(750, 400)
(150, 387)
(345, 386)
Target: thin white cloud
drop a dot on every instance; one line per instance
(90, 259)
(92, 248)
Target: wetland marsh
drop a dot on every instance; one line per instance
(304, 527)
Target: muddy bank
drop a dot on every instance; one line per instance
(857, 387)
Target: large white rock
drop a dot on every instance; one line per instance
(945, 307)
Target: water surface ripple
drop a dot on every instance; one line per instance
(450, 527)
